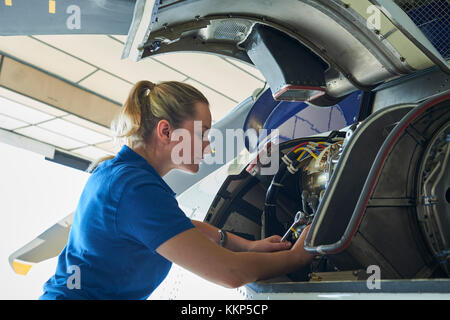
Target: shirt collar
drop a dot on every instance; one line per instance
(127, 154)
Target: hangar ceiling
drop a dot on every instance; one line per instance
(63, 90)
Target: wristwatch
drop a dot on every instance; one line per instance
(222, 238)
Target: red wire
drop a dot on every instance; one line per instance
(298, 146)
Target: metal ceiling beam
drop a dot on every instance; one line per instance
(44, 87)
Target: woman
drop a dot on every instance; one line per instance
(128, 228)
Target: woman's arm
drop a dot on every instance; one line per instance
(234, 242)
(194, 251)
(238, 244)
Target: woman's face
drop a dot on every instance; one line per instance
(191, 140)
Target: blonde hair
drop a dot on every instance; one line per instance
(146, 105)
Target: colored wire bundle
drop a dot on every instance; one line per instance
(309, 149)
(301, 152)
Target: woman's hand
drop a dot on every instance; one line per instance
(234, 269)
(299, 248)
(269, 244)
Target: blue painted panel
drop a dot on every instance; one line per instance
(260, 110)
(311, 120)
(298, 119)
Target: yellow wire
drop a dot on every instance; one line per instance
(301, 155)
(312, 144)
(299, 149)
(311, 152)
(307, 148)
(295, 232)
(302, 148)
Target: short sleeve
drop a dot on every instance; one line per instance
(149, 214)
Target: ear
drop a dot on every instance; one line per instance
(164, 131)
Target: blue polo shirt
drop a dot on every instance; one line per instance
(126, 211)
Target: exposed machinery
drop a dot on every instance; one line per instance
(375, 193)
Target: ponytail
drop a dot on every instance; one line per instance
(137, 107)
(146, 105)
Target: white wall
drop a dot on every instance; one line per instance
(34, 194)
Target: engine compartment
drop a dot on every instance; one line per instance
(239, 205)
(361, 190)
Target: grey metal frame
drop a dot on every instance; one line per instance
(361, 57)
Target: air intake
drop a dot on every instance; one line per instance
(294, 72)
